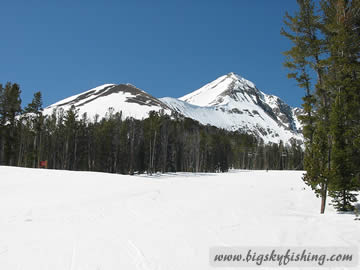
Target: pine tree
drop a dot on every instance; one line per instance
(70, 130)
(10, 108)
(33, 114)
(36, 104)
(342, 28)
(332, 120)
(303, 59)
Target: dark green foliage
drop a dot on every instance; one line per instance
(304, 59)
(31, 126)
(342, 29)
(10, 108)
(36, 105)
(327, 43)
(159, 143)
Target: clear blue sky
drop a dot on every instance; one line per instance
(167, 48)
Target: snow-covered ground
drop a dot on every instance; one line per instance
(66, 220)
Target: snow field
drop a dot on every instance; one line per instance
(52, 219)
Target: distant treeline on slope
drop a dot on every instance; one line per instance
(159, 143)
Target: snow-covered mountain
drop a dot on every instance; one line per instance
(234, 103)
(128, 99)
(230, 102)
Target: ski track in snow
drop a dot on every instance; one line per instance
(139, 257)
(60, 220)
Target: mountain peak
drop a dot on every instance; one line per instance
(216, 91)
(234, 76)
(240, 79)
(127, 98)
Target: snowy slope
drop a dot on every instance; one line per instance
(286, 115)
(296, 112)
(214, 92)
(95, 221)
(234, 103)
(232, 91)
(128, 99)
(259, 124)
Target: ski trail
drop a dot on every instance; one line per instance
(138, 256)
(73, 255)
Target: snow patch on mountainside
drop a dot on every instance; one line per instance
(296, 113)
(284, 113)
(71, 100)
(248, 119)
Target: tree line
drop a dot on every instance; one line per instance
(114, 144)
(324, 60)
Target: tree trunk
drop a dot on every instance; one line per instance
(132, 138)
(323, 199)
(75, 152)
(149, 170)
(153, 154)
